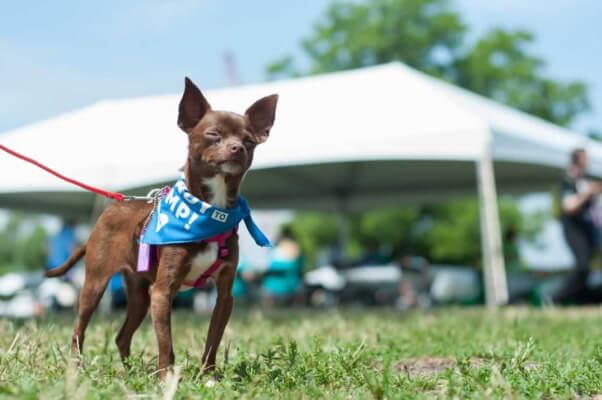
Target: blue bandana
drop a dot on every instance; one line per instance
(180, 217)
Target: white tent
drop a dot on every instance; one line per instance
(347, 140)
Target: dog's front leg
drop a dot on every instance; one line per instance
(220, 316)
(170, 275)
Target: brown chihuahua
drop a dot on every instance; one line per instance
(220, 151)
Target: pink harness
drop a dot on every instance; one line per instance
(144, 252)
(222, 253)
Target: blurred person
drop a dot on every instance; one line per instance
(510, 250)
(520, 283)
(244, 288)
(117, 290)
(61, 245)
(415, 283)
(62, 293)
(579, 223)
(245, 283)
(373, 254)
(282, 281)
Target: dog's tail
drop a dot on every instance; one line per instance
(62, 270)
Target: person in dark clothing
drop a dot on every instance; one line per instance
(579, 223)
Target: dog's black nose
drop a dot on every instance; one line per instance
(236, 148)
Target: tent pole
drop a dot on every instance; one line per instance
(496, 289)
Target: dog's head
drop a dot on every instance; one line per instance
(221, 141)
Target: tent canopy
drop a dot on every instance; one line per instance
(347, 140)
(375, 135)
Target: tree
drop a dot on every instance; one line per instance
(498, 66)
(22, 244)
(595, 135)
(395, 228)
(430, 36)
(315, 232)
(455, 236)
(446, 233)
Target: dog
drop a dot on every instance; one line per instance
(220, 152)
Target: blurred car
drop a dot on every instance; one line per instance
(364, 284)
(28, 294)
(381, 285)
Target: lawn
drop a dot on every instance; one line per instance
(369, 353)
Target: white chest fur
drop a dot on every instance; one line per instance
(219, 190)
(201, 263)
(205, 259)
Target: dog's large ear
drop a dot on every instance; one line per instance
(261, 116)
(192, 106)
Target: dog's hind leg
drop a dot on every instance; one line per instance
(90, 296)
(137, 307)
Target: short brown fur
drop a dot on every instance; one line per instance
(219, 143)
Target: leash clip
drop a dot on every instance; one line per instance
(152, 196)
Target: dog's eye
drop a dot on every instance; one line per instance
(213, 136)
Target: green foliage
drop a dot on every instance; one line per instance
(430, 36)
(315, 232)
(353, 35)
(389, 226)
(31, 250)
(455, 236)
(443, 233)
(7, 238)
(498, 66)
(595, 135)
(449, 353)
(285, 67)
(22, 244)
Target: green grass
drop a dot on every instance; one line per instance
(461, 353)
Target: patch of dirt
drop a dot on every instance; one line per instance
(428, 366)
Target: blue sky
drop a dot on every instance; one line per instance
(56, 56)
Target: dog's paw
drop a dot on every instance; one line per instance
(211, 382)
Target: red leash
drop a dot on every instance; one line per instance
(111, 195)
